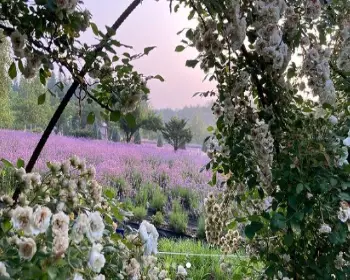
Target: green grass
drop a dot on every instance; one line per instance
(202, 268)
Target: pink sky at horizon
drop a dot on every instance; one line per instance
(151, 24)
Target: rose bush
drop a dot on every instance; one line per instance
(62, 228)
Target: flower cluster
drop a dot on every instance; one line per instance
(234, 105)
(230, 242)
(263, 148)
(149, 237)
(343, 61)
(270, 43)
(216, 215)
(340, 262)
(344, 212)
(316, 68)
(235, 29)
(33, 226)
(325, 228)
(206, 38)
(312, 9)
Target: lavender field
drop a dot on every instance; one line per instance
(144, 162)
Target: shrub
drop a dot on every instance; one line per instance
(140, 213)
(178, 218)
(121, 186)
(127, 203)
(82, 133)
(141, 197)
(178, 221)
(176, 206)
(7, 181)
(158, 199)
(201, 228)
(158, 219)
(189, 198)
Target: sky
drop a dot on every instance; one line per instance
(151, 24)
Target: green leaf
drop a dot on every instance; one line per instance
(179, 48)
(192, 63)
(344, 196)
(299, 188)
(232, 225)
(114, 116)
(125, 60)
(20, 163)
(191, 15)
(159, 77)
(12, 71)
(110, 193)
(210, 128)
(147, 50)
(52, 272)
(110, 32)
(42, 76)
(94, 28)
(6, 225)
(288, 239)
(278, 222)
(20, 66)
(116, 213)
(41, 99)
(251, 229)
(91, 118)
(7, 163)
(130, 119)
(115, 58)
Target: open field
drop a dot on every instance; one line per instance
(114, 160)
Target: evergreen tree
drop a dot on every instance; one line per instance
(176, 133)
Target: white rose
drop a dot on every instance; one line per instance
(78, 276)
(181, 271)
(26, 248)
(95, 226)
(21, 218)
(80, 228)
(346, 141)
(60, 223)
(3, 271)
(333, 119)
(40, 220)
(96, 259)
(325, 228)
(99, 277)
(343, 215)
(60, 244)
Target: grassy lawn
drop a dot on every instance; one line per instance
(202, 267)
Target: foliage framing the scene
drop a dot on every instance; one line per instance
(281, 138)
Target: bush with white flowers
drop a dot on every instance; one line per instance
(62, 228)
(282, 132)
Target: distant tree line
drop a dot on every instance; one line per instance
(20, 110)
